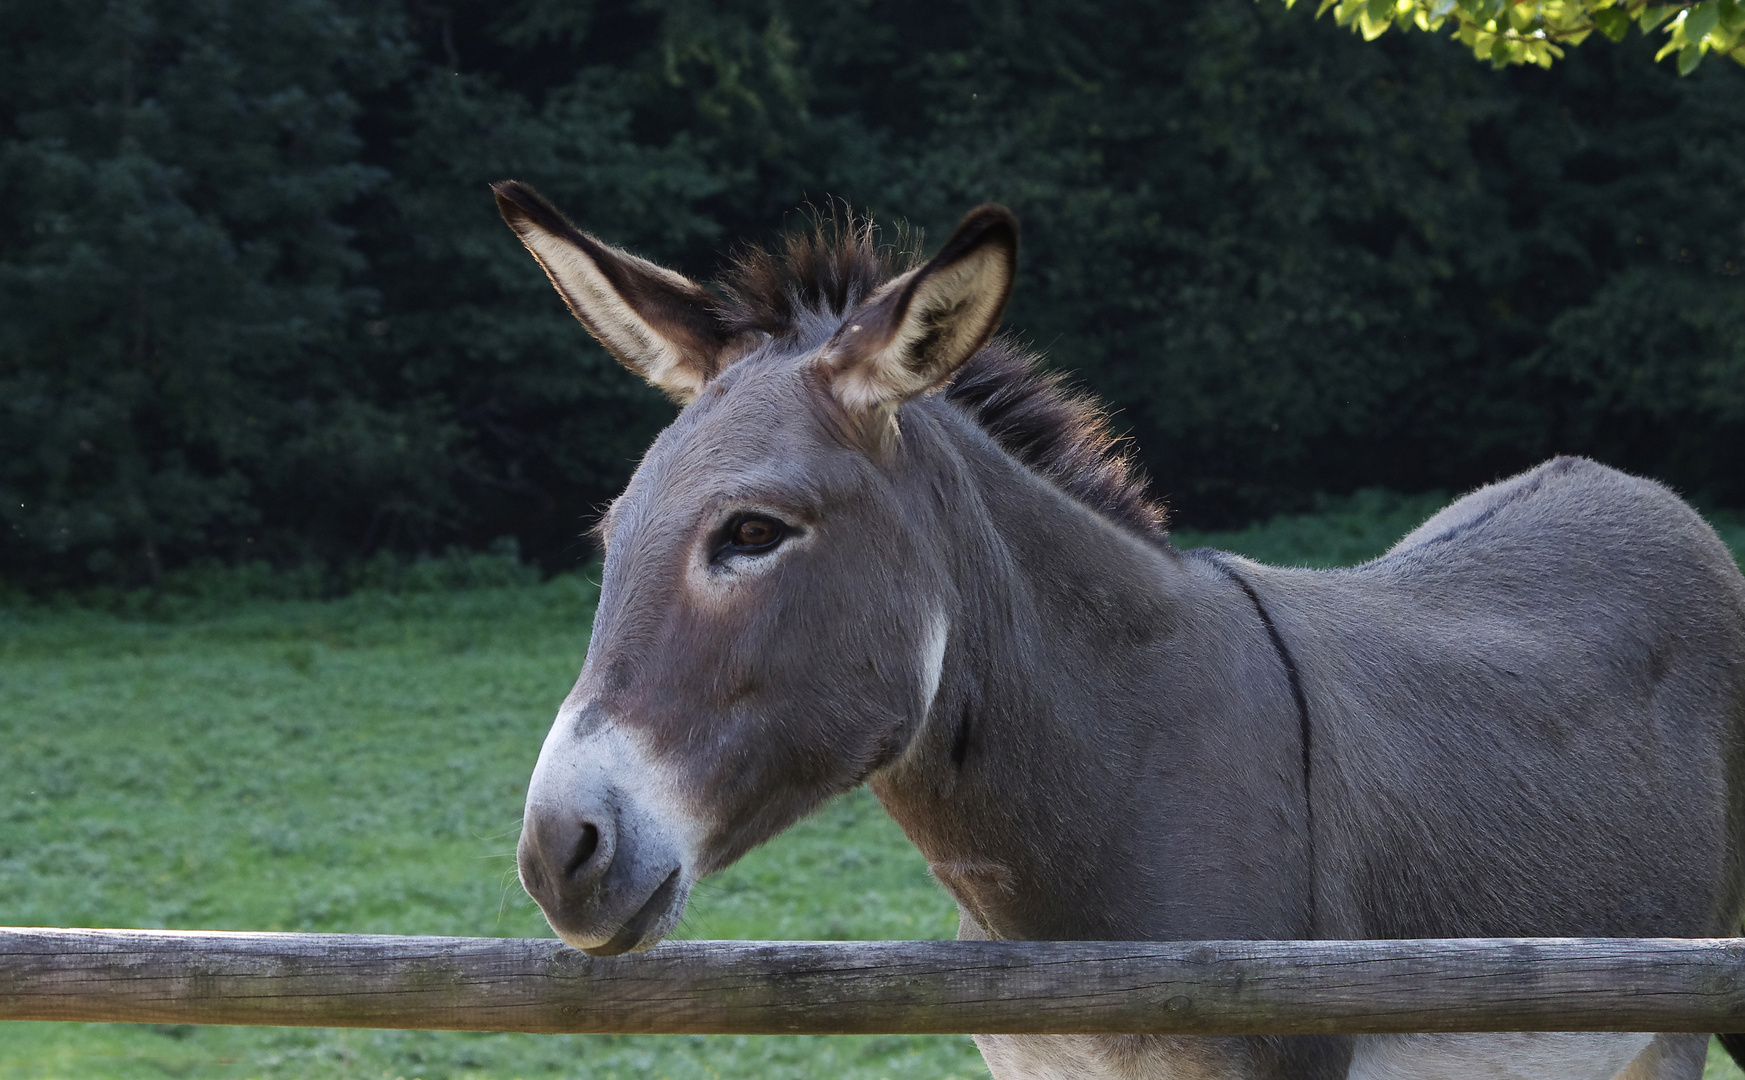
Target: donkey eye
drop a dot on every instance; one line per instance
(753, 534)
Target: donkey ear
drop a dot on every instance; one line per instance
(913, 334)
(657, 323)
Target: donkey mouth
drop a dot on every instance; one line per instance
(651, 922)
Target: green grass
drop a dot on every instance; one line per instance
(198, 759)
(359, 765)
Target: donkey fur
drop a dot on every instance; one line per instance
(1523, 720)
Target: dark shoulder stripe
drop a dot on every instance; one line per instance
(1294, 676)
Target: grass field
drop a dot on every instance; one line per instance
(358, 765)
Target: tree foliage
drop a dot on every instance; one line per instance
(1535, 31)
(255, 300)
(178, 294)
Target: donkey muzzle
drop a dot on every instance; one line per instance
(606, 866)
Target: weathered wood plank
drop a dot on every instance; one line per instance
(1230, 987)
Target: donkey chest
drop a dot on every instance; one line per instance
(1108, 1057)
(1513, 1056)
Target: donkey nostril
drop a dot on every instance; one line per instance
(586, 845)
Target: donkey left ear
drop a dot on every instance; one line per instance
(657, 323)
(913, 334)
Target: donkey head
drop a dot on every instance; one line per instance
(774, 612)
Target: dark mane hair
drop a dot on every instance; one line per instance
(824, 270)
(1061, 433)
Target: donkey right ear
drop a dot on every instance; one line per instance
(912, 335)
(657, 323)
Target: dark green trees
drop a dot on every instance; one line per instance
(1297, 262)
(254, 296)
(179, 298)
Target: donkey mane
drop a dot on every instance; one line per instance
(1061, 433)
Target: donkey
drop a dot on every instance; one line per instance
(879, 545)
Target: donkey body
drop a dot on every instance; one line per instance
(1523, 720)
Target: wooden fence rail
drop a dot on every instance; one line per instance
(752, 987)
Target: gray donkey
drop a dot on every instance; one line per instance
(879, 545)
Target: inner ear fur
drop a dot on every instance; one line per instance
(658, 324)
(913, 334)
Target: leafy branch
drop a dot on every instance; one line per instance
(1534, 31)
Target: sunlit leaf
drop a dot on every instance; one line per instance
(1654, 16)
(1699, 21)
(1508, 32)
(1613, 22)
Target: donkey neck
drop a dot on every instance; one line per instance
(1111, 752)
